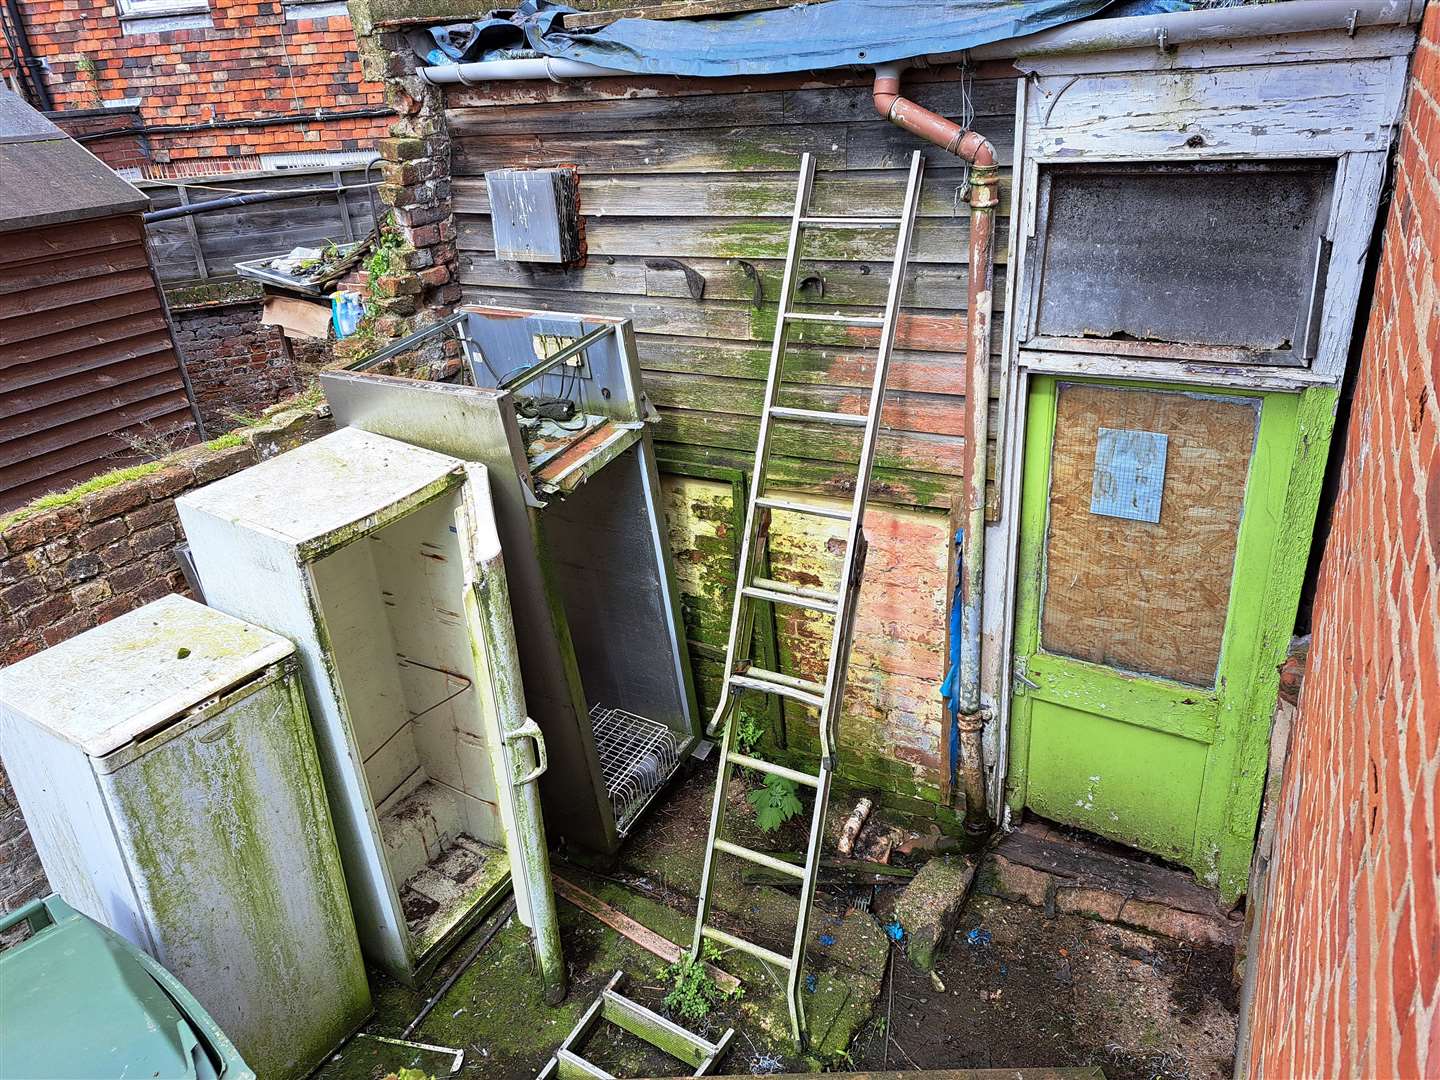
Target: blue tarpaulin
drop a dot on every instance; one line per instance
(837, 33)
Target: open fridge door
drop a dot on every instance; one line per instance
(519, 758)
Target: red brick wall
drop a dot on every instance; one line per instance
(119, 151)
(237, 366)
(1349, 960)
(251, 62)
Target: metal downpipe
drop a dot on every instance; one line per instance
(974, 148)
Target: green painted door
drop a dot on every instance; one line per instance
(1164, 534)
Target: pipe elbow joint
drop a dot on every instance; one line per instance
(977, 150)
(886, 91)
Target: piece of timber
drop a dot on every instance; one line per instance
(627, 927)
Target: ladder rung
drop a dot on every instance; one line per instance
(846, 320)
(772, 682)
(802, 592)
(852, 222)
(839, 513)
(757, 951)
(845, 419)
(759, 858)
(762, 590)
(572, 1064)
(748, 762)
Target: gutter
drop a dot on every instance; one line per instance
(1087, 36)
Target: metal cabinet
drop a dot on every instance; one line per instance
(166, 768)
(577, 503)
(381, 562)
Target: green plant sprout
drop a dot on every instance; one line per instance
(748, 732)
(693, 993)
(775, 802)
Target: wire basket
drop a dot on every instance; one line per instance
(637, 756)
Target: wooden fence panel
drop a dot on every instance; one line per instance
(209, 244)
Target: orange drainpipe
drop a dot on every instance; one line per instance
(974, 148)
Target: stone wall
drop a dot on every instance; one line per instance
(95, 553)
(237, 366)
(1348, 982)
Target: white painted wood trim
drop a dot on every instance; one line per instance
(1000, 558)
(1369, 42)
(1194, 373)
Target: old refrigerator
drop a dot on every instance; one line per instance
(577, 503)
(166, 767)
(381, 562)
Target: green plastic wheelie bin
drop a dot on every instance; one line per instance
(79, 1002)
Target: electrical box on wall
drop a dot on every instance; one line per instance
(535, 214)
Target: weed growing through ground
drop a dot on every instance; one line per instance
(775, 802)
(749, 732)
(693, 993)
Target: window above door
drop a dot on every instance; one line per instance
(1199, 261)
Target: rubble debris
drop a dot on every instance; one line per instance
(930, 905)
(1067, 874)
(856, 822)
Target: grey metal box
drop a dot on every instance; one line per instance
(534, 214)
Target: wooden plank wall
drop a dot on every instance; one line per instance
(86, 357)
(209, 244)
(700, 175)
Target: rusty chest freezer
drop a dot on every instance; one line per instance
(165, 765)
(381, 562)
(558, 414)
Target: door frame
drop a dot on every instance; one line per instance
(1288, 459)
(1044, 133)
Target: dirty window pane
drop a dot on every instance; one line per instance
(1204, 254)
(1136, 595)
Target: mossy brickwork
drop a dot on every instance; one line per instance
(238, 367)
(893, 727)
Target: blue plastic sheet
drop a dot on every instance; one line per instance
(839, 33)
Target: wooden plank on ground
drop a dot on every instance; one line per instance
(627, 927)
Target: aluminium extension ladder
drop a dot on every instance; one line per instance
(740, 675)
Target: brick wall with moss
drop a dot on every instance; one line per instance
(75, 559)
(238, 366)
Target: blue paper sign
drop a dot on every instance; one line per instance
(1129, 474)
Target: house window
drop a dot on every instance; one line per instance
(154, 16)
(1207, 261)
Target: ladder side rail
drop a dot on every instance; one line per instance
(835, 687)
(738, 621)
(850, 587)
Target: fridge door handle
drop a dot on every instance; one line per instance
(530, 730)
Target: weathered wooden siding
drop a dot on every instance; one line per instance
(209, 244)
(701, 175)
(85, 355)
